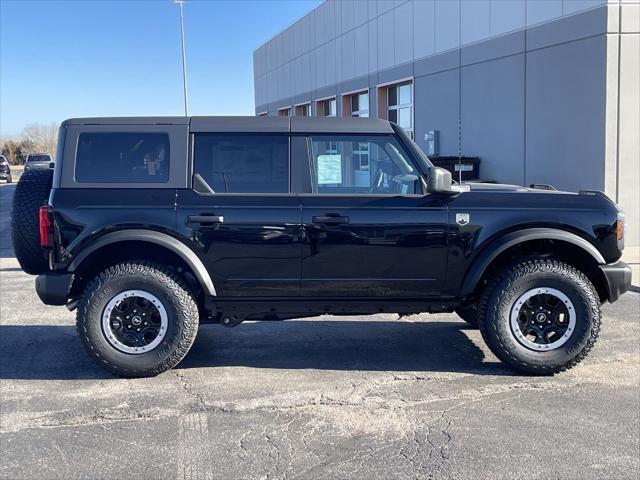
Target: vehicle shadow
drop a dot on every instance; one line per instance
(48, 352)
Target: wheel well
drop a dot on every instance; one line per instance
(131, 250)
(560, 250)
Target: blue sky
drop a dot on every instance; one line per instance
(61, 59)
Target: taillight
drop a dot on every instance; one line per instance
(46, 226)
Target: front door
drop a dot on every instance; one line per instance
(369, 229)
(240, 216)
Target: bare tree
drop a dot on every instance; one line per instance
(39, 137)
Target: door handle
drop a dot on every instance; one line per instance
(205, 219)
(330, 219)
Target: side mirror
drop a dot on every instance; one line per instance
(439, 181)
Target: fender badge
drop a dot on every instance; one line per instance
(462, 219)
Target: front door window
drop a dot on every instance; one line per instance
(360, 164)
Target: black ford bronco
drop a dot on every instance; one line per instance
(150, 226)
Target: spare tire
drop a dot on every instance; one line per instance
(32, 191)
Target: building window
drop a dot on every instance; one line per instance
(359, 104)
(284, 112)
(235, 163)
(327, 108)
(398, 100)
(303, 110)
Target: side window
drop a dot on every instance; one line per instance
(120, 157)
(356, 164)
(232, 163)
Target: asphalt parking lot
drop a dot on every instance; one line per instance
(351, 397)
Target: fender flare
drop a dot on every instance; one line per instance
(157, 238)
(501, 244)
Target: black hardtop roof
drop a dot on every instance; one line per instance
(262, 124)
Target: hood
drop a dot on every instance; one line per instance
(502, 187)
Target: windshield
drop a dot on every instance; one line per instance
(39, 158)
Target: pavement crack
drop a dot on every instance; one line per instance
(186, 386)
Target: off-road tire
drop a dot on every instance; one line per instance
(174, 294)
(469, 314)
(502, 292)
(32, 192)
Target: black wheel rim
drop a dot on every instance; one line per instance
(543, 319)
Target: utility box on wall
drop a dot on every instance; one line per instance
(432, 137)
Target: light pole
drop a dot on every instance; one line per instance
(184, 60)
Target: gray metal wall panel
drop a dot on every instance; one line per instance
(424, 29)
(347, 15)
(385, 40)
(502, 46)
(565, 115)
(592, 22)
(399, 72)
(373, 46)
(360, 13)
(437, 63)
(384, 6)
(543, 10)
(355, 84)
(403, 33)
(372, 10)
(475, 20)
(507, 16)
(437, 104)
(361, 51)
(493, 117)
(573, 6)
(447, 25)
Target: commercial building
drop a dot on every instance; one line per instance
(543, 91)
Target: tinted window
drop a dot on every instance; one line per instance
(123, 158)
(357, 164)
(39, 158)
(243, 163)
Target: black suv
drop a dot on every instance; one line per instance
(150, 226)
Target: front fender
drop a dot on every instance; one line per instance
(499, 245)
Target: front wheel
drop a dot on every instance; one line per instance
(540, 316)
(137, 319)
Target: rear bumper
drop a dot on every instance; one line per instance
(53, 288)
(618, 277)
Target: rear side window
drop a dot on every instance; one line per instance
(243, 163)
(121, 157)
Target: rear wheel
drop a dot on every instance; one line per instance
(137, 319)
(540, 316)
(9, 178)
(32, 192)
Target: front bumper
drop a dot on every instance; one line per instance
(53, 288)
(618, 279)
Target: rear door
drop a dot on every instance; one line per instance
(369, 229)
(240, 216)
